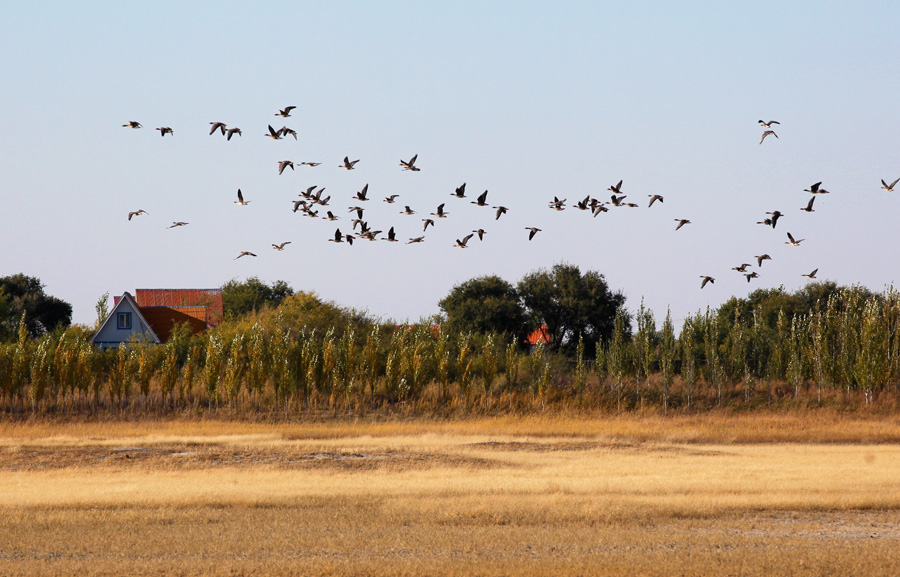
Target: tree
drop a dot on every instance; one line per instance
(241, 298)
(572, 305)
(486, 304)
(25, 294)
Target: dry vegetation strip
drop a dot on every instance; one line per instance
(491, 497)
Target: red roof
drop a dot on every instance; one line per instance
(539, 335)
(210, 298)
(163, 319)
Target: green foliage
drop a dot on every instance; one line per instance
(252, 295)
(24, 295)
(572, 305)
(486, 304)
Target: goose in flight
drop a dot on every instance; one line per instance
(480, 232)
(793, 242)
(285, 131)
(500, 210)
(706, 279)
(427, 221)
(280, 247)
(776, 214)
(440, 212)
(889, 187)
(178, 223)
(313, 164)
(132, 124)
(765, 221)
(768, 124)
(330, 216)
(282, 164)
(808, 207)
(348, 164)
(137, 212)
(338, 237)
(762, 257)
(285, 112)
(742, 268)
(390, 199)
(616, 200)
(361, 195)
(481, 200)
(358, 209)
(407, 211)
(416, 239)
(460, 191)
(220, 126)
(557, 204)
(583, 204)
(751, 275)
(410, 164)
(811, 275)
(231, 132)
(681, 222)
(767, 133)
(462, 243)
(391, 237)
(244, 253)
(616, 189)
(298, 204)
(274, 134)
(815, 189)
(533, 232)
(654, 198)
(597, 207)
(240, 199)
(164, 130)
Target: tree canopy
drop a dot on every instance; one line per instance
(25, 294)
(241, 298)
(483, 305)
(572, 305)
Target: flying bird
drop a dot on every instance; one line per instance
(808, 207)
(338, 237)
(767, 133)
(440, 212)
(407, 211)
(282, 164)
(132, 124)
(742, 268)
(616, 189)
(217, 126)
(164, 130)
(285, 131)
(480, 232)
(273, 134)
(178, 223)
(462, 243)
(751, 275)
(815, 189)
(280, 247)
(244, 253)
(390, 199)
(416, 239)
(500, 210)
(681, 222)
(410, 164)
(427, 221)
(775, 216)
(706, 279)
(768, 124)
(348, 164)
(482, 199)
(391, 237)
(286, 112)
(138, 212)
(313, 164)
(460, 191)
(793, 242)
(533, 232)
(762, 257)
(811, 275)
(654, 198)
(240, 199)
(889, 187)
(361, 195)
(231, 132)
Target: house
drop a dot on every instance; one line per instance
(152, 314)
(539, 335)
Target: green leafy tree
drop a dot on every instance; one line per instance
(21, 294)
(486, 304)
(251, 295)
(572, 304)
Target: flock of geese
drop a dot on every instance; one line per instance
(312, 201)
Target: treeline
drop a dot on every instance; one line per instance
(309, 357)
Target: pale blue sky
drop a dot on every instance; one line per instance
(526, 100)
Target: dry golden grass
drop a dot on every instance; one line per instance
(709, 495)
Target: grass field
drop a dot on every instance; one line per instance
(803, 494)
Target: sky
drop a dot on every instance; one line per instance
(527, 100)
